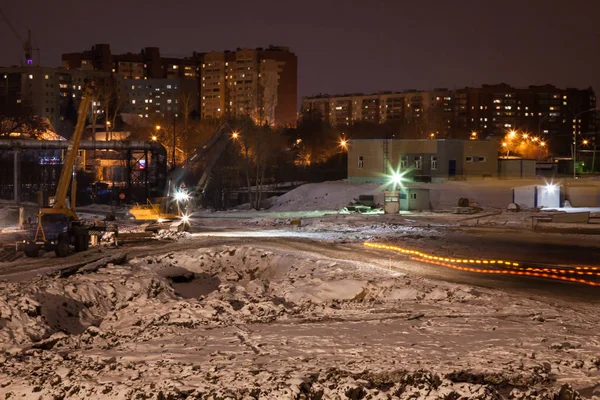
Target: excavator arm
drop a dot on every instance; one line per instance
(210, 152)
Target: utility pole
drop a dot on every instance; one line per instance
(174, 139)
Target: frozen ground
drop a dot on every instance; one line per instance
(267, 318)
(243, 322)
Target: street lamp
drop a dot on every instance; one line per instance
(575, 139)
(154, 138)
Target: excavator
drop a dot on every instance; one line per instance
(182, 190)
(58, 227)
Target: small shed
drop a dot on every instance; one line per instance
(415, 199)
(534, 196)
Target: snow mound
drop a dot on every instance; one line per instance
(325, 196)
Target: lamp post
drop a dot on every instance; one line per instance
(575, 139)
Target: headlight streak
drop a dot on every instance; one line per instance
(510, 268)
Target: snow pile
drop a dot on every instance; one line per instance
(325, 196)
(488, 193)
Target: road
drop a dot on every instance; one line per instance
(532, 251)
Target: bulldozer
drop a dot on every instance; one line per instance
(58, 226)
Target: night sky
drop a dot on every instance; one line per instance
(344, 45)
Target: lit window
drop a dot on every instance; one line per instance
(132, 101)
(30, 76)
(403, 162)
(46, 77)
(418, 162)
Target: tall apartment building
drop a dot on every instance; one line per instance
(46, 92)
(258, 82)
(427, 111)
(547, 111)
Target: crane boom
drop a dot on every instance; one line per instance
(25, 44)
(71, 156)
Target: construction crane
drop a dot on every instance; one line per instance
(25, 44)
(58, 226)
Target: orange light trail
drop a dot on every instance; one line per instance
(515, 269)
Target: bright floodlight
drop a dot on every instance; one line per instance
(185, 219)
(343, 143)
(550, 187)
(234, 134)
(181, 196)
(154, 138)
(396, 178)
(512, 134)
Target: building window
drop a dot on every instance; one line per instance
(481, 159)
(413, 196)
(469, 159)
(361, 162)
(433, 163)
(418, 162)
(403, 162)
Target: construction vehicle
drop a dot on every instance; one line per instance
(172, 211)
(58, 227)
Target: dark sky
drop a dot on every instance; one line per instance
(342, 45)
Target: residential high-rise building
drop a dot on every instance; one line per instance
(546, 111)
(551, 113)
(50, 93)
(425, 112)
(260, 83)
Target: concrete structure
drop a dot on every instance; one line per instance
(375, 160)
(583, 196)
(429, 111)
(50, 93)
(260, 83)
(516, 168)
(415, 199)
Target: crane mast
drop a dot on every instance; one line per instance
(71, 156)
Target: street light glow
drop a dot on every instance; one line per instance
(157, 127)
(154, 138)
(181, 195)
(504, 144)
(343, 143)
(586, 141)
(512, 134)
(543, 144)
(235, 134)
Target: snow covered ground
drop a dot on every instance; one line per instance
(248, 323)
(264, 320)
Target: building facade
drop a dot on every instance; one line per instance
(260, 83)
(376, 160)
(548, 112)
(425, 111)
(51, 93)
